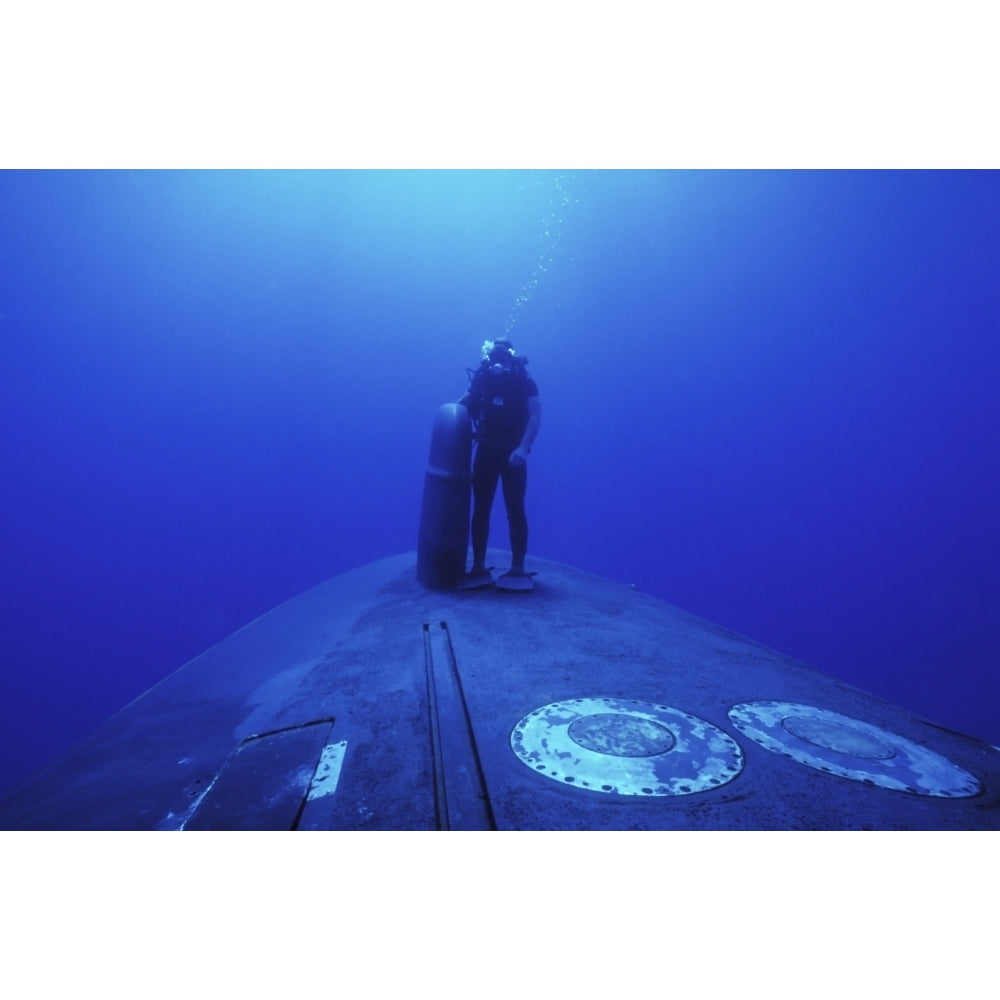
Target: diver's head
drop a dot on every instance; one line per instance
(500, 353)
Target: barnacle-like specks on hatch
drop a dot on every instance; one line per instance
(851, 748)
(624, 747)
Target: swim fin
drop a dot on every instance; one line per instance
(472, 581)
(516, 581)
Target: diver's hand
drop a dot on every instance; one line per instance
(518, 457)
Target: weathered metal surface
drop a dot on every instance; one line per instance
(264, 785)
(852, 749)
(616, 746)
(640, 685)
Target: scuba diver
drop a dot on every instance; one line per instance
(502, 400)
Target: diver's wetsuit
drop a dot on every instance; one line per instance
(487, 468)
(498, 403)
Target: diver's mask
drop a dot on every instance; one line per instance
(499, 353)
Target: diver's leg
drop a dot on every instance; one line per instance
(485, 473)
(515, 485)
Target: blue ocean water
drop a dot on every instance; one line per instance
(768, 397)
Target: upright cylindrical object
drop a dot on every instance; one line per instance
(444, 516)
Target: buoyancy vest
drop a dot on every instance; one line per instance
(498, 404)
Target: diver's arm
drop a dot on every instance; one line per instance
(520, 454)
(534, 422)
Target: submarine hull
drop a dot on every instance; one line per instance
(371, 702)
